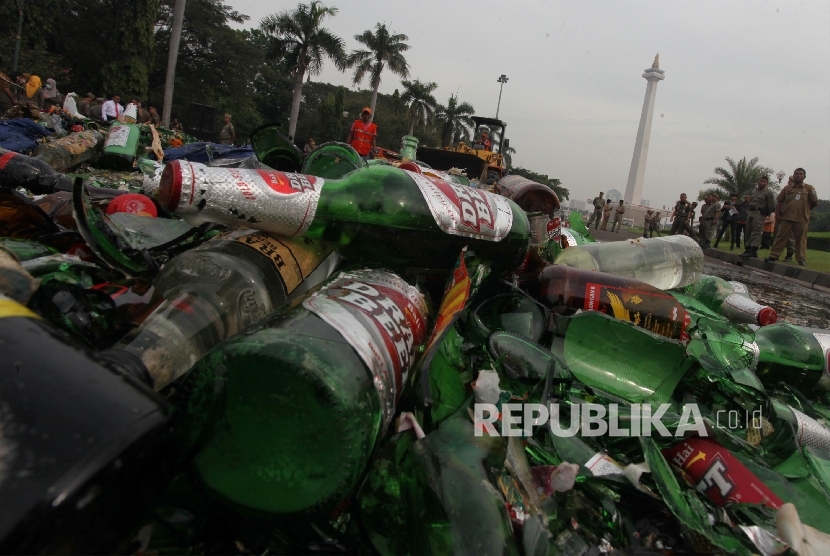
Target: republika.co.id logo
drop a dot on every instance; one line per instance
(587, 419)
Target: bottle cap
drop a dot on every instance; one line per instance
(170, 186)
(766, 316)
(134, 203)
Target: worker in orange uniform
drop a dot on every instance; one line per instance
(363, 133)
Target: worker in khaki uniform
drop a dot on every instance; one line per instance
(708, 217)
(606, 214)
(599, 204)
(761, 205)
(797, 201)
(647, 222)
(680, 217)
(618, 212)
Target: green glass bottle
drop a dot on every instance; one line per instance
(796, 355)
(301, 401)
(377, 216)
(25, 249)
(718, 295)
(436, 496)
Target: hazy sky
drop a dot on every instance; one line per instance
(743, 78)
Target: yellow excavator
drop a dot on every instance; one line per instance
(480, 160)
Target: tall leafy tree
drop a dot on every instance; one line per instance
(383, 49)
(132, 61)
(455, 121)
(219, 66)
(739, 178)
(302, 44)
(421, 104)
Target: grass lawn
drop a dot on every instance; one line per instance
(818, 234)
(816, 260)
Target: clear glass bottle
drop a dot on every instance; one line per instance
(663, 262)
(217, 290)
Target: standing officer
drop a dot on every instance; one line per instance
(761, 204)
(797, 201)
(618, 212)
(647, 223)
(606, 214)
(599, 204)
(680, 217)
(708, 217)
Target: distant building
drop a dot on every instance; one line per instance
(614, 195)
(645, 203)
(578, 205)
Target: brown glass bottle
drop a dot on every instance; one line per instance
(561, 286)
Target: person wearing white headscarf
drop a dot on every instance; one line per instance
(51, 95)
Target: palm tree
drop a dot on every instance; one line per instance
(383, 50)
(421, 103)
(508, 156)
(738, 179)
(298, 39)
(455, 120)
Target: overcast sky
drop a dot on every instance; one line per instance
(743, 78)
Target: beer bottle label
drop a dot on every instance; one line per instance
(286, 202)
(661, 314)
(384, 320)
(294, 259)
(715, 472)
(465, 211)
(118, 136)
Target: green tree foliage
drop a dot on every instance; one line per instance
(455, 121)
(301, 43)
(553, 183)
(508, 156)
(383, 49)
(131, 61)
(820, 217)
(739, 178)
(218, 66)
(420, 102)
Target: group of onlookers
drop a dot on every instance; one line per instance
(764, 219)
(26, 88)
(603, 209)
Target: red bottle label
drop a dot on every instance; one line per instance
(384, 320)
(465, 211)
(658, 313)
(715, 472)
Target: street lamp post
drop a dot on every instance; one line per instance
(780, 175)
(502, 79)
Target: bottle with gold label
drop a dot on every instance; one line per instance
(218, 289)
(561, 287)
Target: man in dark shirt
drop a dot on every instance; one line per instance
(729, 220)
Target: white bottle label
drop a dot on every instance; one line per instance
(118, 137)
(465, 211)
(277, 202)
(383, 318)
(603, 464)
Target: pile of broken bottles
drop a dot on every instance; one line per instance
(596, 405)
